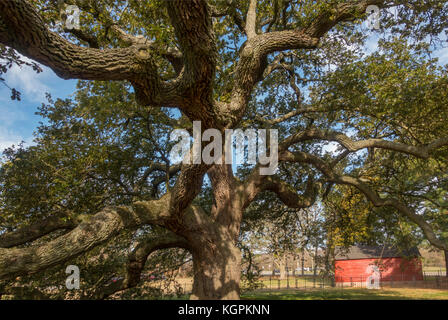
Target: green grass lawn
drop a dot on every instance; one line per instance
(349, 294)
(301, 282)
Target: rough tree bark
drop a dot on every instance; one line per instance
(217, 266)
(445, 252)
(283, 266)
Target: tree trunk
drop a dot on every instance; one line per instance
(303, 262)
(282, 266)
(294, 264)
(216, 258)
(446, 262)
(217, 269)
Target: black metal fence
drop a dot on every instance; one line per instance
(430, 281)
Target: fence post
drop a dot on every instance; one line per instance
(296, 282)
(278, 283)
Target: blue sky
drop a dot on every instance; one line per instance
(17, 118)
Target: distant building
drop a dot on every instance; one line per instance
(354, 264)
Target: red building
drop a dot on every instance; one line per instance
(354, 264)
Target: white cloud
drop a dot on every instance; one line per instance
(330, 147)
(442, 54)
(371, 45)
(9, 138)
(27, 81)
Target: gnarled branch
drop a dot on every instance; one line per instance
(98, 229)
(370, 194)
(136, 263)
(69, 61)
(422, 151)
(253, 56)
(257, 183)
(34, 231)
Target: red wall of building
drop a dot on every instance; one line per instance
(392, 269)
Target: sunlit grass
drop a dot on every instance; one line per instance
(350, 294)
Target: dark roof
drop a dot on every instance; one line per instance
(368, 252)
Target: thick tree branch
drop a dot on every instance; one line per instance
(257, 183)
(84, 36)
(136, 263)
(251, 19)
(173, 55)
(69, 61)
(253, 56)
(340, 12)
(193, 28)
(398, 205)
(171, 170)
(423, 151)
(98, 229)
(34, 231)
(187, 187)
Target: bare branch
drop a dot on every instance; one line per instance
(291, 114)
(251, 19)
(84, 36)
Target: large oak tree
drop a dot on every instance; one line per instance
(289, 65)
